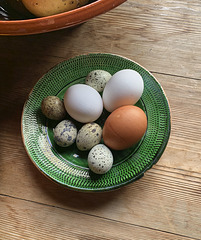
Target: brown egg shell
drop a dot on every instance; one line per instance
(124, 127)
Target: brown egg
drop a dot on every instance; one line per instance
(124, 127)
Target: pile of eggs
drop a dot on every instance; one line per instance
(124, 127)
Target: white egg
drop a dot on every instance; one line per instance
(83, 103)
(125, 87)
(100, 159)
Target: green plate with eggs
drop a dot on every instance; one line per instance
(68, 166)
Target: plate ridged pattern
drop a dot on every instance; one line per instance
(53, 165)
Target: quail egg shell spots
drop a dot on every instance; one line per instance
(83, 103)
(53, 108)
(98, 79)
(125, 87)
(100, 159)
(65, 133)
(88, 136)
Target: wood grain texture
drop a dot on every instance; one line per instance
(74, 225)
(164, 37)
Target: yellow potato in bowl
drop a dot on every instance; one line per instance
(42, 8)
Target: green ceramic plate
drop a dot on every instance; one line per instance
(69, 166)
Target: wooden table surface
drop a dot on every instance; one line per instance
(165, 38)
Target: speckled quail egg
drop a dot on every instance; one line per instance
(98, 79)
(100, 159)
(88, 136)
(65, 133)
(53, 108)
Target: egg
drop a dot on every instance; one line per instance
(53, 108)
(83, 103)
(100, 159)
(98, 79)
(65, 133)
(124, 127)
(88, 136)
(125, 87)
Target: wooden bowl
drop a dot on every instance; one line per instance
(58, 21)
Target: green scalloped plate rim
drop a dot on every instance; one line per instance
(135, 162)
